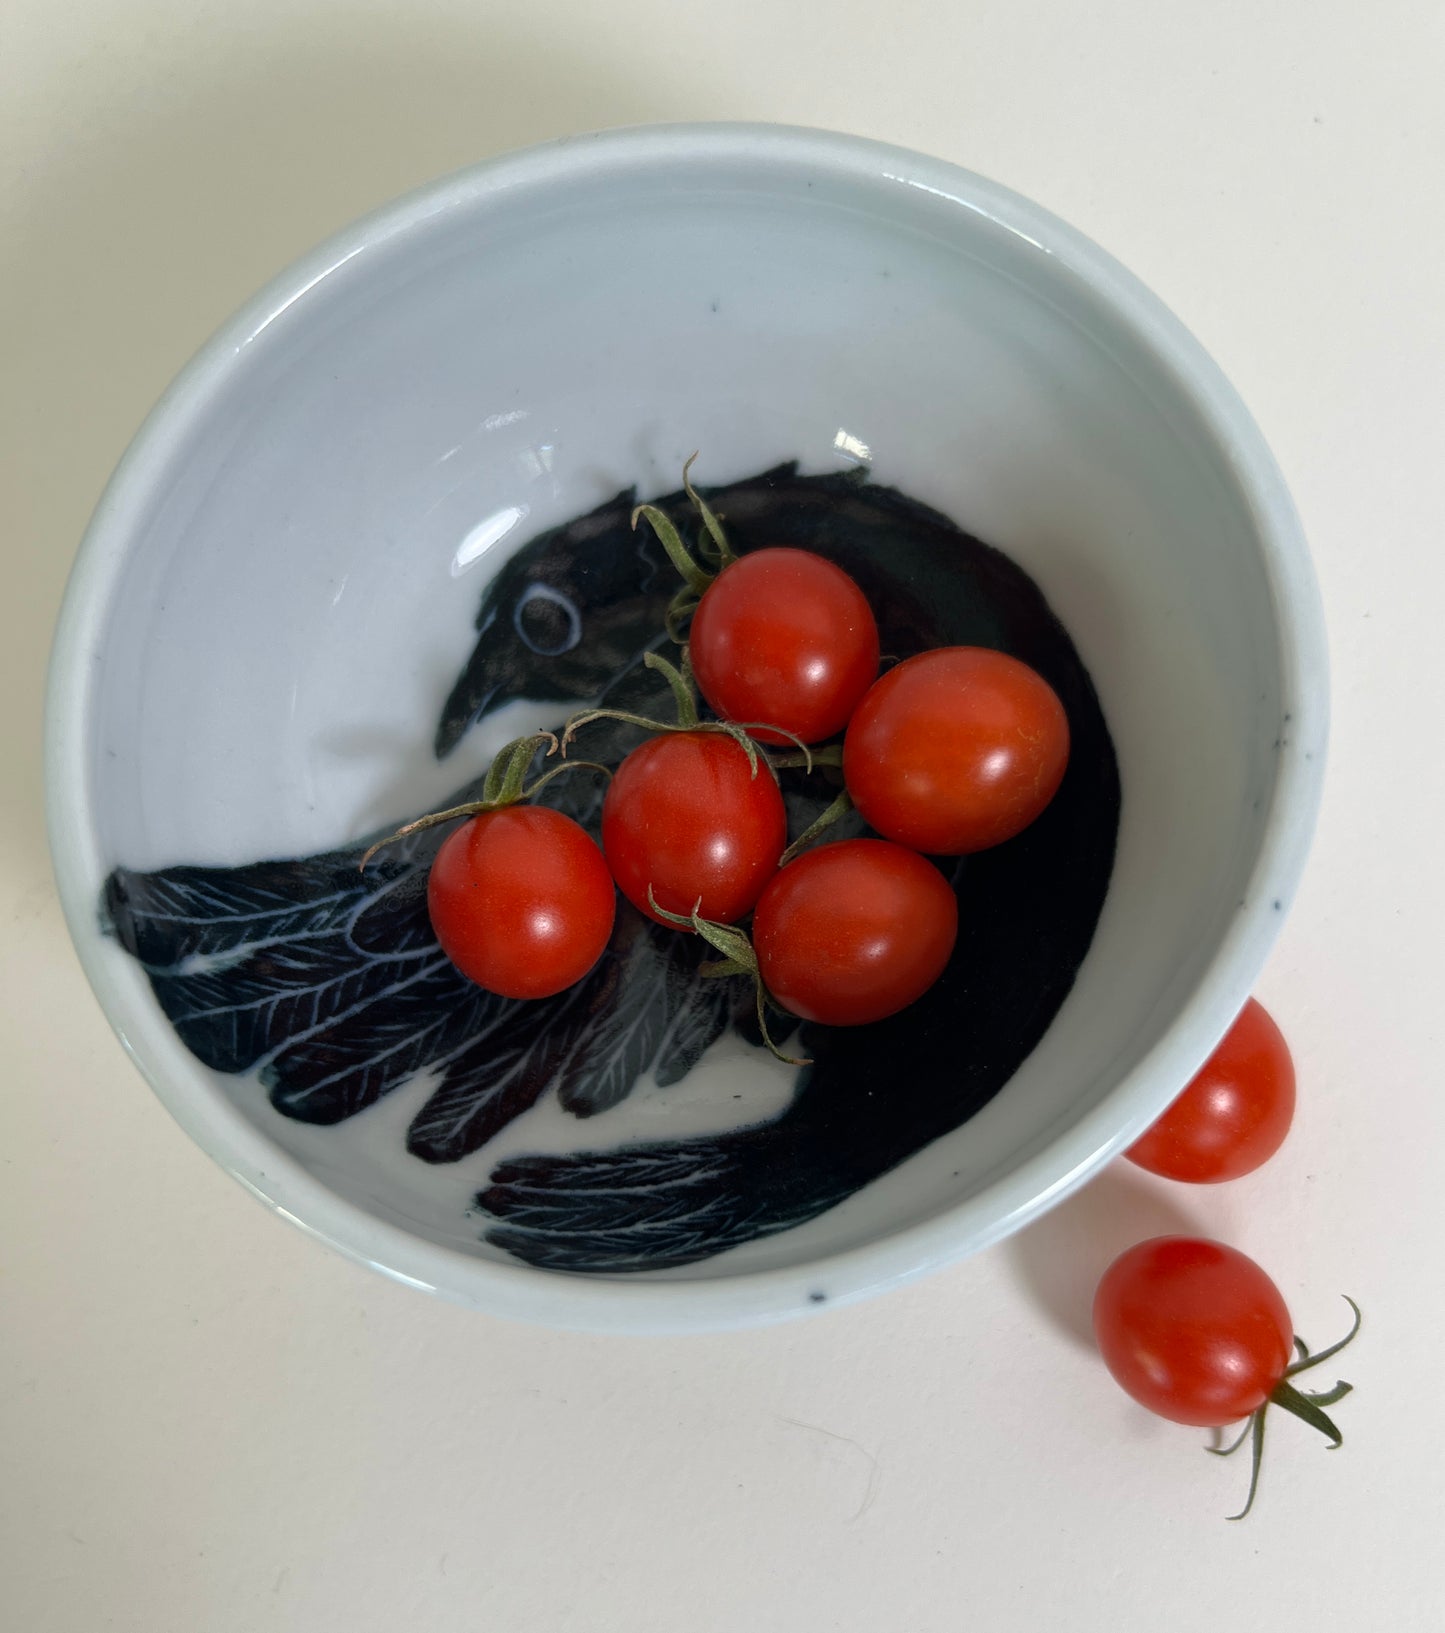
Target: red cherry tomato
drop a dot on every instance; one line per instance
(1234, 1114)
(1192, 1329)
(521, 901)
(956, 750)
(854, 931)
(688, 815)
(786, 637)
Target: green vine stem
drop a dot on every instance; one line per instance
(1305, 1404)
(738, 958)
(839, 808)
(680, 683)
(679, 616)
(721, 548)
(809, 759)
(696, 578)
(505, 784)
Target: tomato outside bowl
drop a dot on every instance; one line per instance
(280, 582)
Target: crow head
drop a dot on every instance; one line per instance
(577, 607)
(567, 612)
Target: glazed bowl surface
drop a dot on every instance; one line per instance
(270, 651)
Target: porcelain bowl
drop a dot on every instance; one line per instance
(270, 650)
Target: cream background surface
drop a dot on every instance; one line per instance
(210, 1424)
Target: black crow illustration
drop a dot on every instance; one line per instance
(330, 982)
(581, 602)
(562, 618)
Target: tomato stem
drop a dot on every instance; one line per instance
(1328, 1397)
(804, 756)
(722, 549)
(626, 716)
(738, 958)
(760, 997)
(808, 759)
(1295, 1400)
(1256, 1459)
(839, 808)
(1307, 1360)
(431, 820)
(505, 784)
(1234, 1445)
(723, 728)
(684, 664)
(508, 771)
(535, 788)
(1307, 1405)
(1303, 1406)
(697, 578)
(679, 612)
(680, 682)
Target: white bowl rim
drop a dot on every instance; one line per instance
(647, 1305)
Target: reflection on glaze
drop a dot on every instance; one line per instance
(330, 986)
(485, 535)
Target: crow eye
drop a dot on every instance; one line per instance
(547, 621)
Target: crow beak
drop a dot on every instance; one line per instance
(491, 667)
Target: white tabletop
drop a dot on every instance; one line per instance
(211, 1424)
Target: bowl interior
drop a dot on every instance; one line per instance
(308, 541)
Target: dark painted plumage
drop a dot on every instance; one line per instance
(331, 983)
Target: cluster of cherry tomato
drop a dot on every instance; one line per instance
(1192, 1329)
(948, 752)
